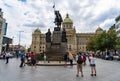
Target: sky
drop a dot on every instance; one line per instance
(28, 15)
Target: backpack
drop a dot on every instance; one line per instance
(79, 61)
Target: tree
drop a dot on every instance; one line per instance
(104, 41)
(118, 43)
(100, 41)
(111, 39)
(91, 44)
(29, 49)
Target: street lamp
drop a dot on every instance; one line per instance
(12, 44)
(20, 38)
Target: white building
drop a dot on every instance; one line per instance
(2, 28)
(117, 25)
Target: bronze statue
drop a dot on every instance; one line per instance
(48, 36)
(58, 19)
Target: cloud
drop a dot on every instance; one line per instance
(34, 25)
(27, 15)
(107, 23)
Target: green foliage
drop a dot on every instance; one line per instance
(29, 49)
(91, 44)
(118, 43)
(100, 41)
(112, 37)
(104, 41)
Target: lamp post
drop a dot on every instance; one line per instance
(20, 38)
(12, 44)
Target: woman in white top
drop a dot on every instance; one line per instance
(45, 58)
(93, 65)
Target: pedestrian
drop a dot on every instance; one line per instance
(32, 58)
(17, 53)
(7, 57)
(89, 55)
(65, 58)
(79, 65)
(71, 59)
(3, 55)
(93, 65)
(27, 56)
(45, 58)
(22, 57)
(76, 57)
(84, 58)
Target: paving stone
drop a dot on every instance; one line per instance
(106, 71)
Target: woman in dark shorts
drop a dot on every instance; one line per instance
(93, 65)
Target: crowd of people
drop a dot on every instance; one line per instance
(31, 60)
(24, 58)
(79, 58)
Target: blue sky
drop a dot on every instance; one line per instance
(27, 15)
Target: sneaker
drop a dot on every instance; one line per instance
(94, 74)
(81, 75)
(91, 74)
(77, 75)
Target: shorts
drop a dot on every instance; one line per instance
(92, 65)
(33, 61)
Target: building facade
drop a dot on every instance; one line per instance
(2, 28)
(76, 41)
(117, 25)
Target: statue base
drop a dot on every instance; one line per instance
(56, 49)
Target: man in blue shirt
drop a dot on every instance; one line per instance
(22, 56)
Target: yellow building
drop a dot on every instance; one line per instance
(76, 41)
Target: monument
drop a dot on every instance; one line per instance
(56, 43)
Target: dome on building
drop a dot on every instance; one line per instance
(67, 19)
(99, 29)
(37, 30)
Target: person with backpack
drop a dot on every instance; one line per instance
(79, 65)
(33, 59)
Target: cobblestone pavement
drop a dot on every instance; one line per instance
(106, 71)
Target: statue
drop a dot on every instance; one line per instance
(48, 36)
(64, 38)
(58, 19)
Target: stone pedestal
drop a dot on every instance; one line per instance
(56, 49)
(56, 38)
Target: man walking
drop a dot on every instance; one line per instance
(22, 56)
(79, 65)
(7, 57)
